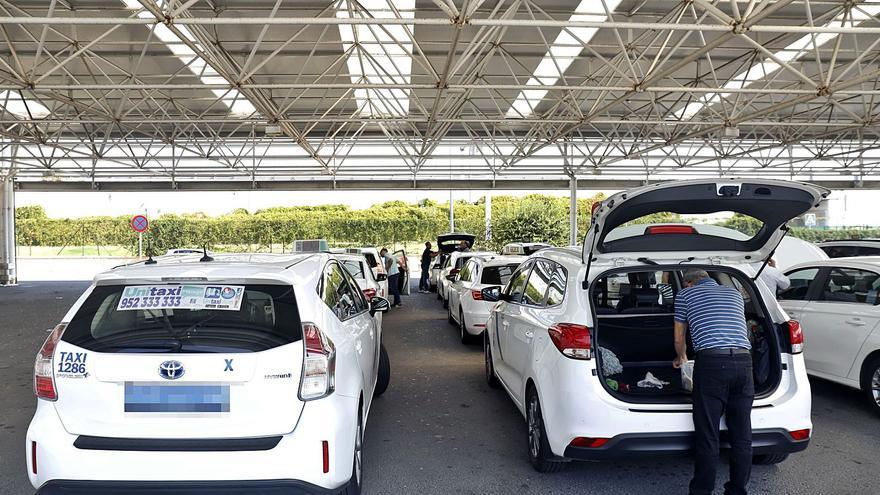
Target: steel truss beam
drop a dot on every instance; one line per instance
(126, 108)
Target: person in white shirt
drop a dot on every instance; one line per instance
(773, 278)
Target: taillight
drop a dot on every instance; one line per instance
(319, 364)
(587, 442)
(571, 339)
(44, 373)
(800, 435)
(477, 295)
(796, 337)
(370, 294)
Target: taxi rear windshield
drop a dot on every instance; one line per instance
(262, 317)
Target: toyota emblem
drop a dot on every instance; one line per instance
(171, 370)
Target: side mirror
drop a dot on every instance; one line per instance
(381, 276)
(491, 294)
(451, 277)
(379, 305)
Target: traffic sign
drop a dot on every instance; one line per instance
(139, 223)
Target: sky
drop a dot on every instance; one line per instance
(846, 208)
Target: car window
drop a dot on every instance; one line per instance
(359, 299)
(497, 275)
(852, 286)
(869, 251)
(465, 274)
(556, 288)
(371, 260)
(800, 284)
(460, 262)
(112, 319)
(840, 251)
(517, 283)
(355, 268)
(536, 287)
(337, 292)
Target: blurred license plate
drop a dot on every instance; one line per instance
(145, 397)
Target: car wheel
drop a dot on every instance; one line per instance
(768, 459)
(384, 374)
(449, 317)
(871, 383)
(540, 455)
(465, 336)
(355, 484)
(491, 378)
(445, 302)
(433, 288)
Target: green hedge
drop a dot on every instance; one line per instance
(536, 218)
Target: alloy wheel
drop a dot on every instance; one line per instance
(875, 386)
(534, 427)
(359, 452)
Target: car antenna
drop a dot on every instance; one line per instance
(150, 260)
(205, 256)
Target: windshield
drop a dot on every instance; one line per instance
(261, 317)
(497, 275)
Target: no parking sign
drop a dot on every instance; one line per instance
(139, 223)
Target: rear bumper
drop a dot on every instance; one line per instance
(769, 441)
(262, 487)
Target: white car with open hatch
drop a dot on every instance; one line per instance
(577, 332)
(233, 374)
(466, 307)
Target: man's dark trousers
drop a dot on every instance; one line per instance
(723, 385)
(394, 287)
(423, 280)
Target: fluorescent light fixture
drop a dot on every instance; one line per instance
(238, 105)
(561, 54)
(860, 13)
(12, 102)
(384, 56)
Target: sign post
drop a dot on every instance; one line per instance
(139, 224)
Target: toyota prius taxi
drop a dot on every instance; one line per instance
(226, 374)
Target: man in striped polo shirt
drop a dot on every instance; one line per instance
(723, 384)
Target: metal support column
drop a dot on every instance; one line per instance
(572, 211)
(488, 217)
(7, 231)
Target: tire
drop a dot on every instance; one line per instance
(462, 328)
(871, 383)
(432, 288)
(449, 317)
(356, 483)
(445, 302)
(491, 378)
(384, 374)
(769, 459)
(540, 455)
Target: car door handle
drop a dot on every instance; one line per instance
(856, 322)
(530, 334)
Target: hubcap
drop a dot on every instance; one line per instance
(875, 386)
(534, 427)
(488, 356)
(358, 452)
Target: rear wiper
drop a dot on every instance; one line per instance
(196, 325)
(647, 261)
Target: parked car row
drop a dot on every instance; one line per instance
(248, 372)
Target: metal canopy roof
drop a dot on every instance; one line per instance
(223, 94)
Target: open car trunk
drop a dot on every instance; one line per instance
(634, 332)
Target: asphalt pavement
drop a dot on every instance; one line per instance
(439, 429)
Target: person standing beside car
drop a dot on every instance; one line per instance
(427, 256)
(773, 278)
(723, 381)
(393, 275)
